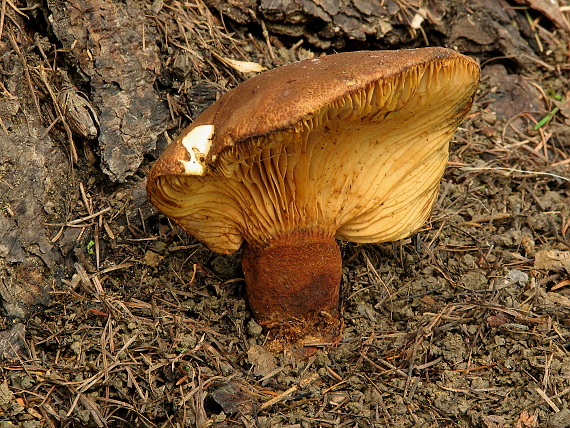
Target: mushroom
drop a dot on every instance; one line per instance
(351, 146)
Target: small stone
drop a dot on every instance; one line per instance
(254, 328)
(519, 276)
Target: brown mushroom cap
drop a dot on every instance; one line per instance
(351, 145)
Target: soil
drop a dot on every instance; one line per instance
(113, 316)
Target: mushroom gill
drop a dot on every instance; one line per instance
(311, 152)
(364, 168)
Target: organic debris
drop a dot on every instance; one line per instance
(465, 324)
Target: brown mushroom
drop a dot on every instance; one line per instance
(350, 146)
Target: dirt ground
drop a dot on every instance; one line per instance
(112, 316)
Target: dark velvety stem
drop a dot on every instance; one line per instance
(295, 279)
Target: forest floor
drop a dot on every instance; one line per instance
(113, 316)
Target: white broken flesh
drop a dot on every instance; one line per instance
(197, 142)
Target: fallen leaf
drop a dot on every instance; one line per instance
(498, 320)
(235, 396)
(552, 260)
(526, 421)
(241, 66)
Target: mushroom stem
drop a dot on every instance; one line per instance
(295, 280)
